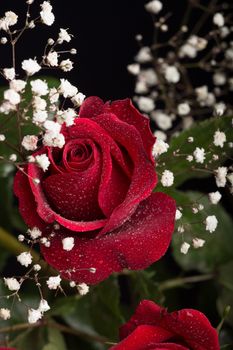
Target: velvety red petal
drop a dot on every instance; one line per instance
(143, 178)
(147, 312)
(125, 111)
(27, 204)
(194, 327)
(166, 346)
(141, 337)
(138, 243)
(91, 107)
(45, 211)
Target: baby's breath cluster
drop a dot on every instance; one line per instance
(168, 91)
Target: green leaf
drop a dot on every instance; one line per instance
(225, 279)
(203, 134)
(55, 340)
(218, 247)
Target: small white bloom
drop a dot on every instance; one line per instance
(219, 138)
(184, 248)
(52, 59)
(30, 142)
(172, 74)
(17, 85)
(219, 108)
(162, 120)
(10, 19)
(30, 66)
(218, 20)
(180, 229)
(52, 140)
(13, 157)
(159, 148)
(198, 243)
(12, 96)
(167, 178)
(52, 127)
(39, 117)
(68, 116)
(12, 284)
(5, 314)
(34, 232)
(160, 135)
(189, 158)
(154, 6)
(46, 14)
(39, 87)
(83, 288)
(178, 214)
(219, 79)
(220, 176)
(43, 161)
(230, 178)
(144, 55)
(38, 103)
(2, 137)
(215, 197)
(66, 65)
(183, 108)
(44, 306)
(211, 223)
(25, 259)
(54, 282)
(21, 238)
(146, 104)
(3, 40)
(9, 73)
(133, 68)
(199, 155)
(67, 89)
(34, 316)
(63, 36)
(53, 95)
(37, 267)
(78, 99)
(68, 243)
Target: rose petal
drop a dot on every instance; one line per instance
(138, 243)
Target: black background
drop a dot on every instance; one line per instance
(104, 35)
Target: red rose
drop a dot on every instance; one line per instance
(153, 328)
(99, 190)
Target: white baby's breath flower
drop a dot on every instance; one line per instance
(46, 14)
(199, 155)
(12, 96)
(144, 55)
(52, 59)
(154, 6)
(68, 243)
(39, 117)
(39, 87)
(162, 120)
(10, 19)
(184, 248)
(183, 108)
(219, 108)
(211, 223)
(54, 282)
(64, 36)
(78, 99)
(37, 267)
(215, 197)
(66, 65)
(34, 316)
(2, 138)
(133, 68)
(13, 157)
(53, 95)
(220, 176)
(219, 138)
(42, 161)
(34, 232)
(218, 19)
(178, 214)
(198, 243)
(29, 142)
(172, 74)
(38, 103)
(25, 259)
(167, 178)
(67, 89)
(30, 66)
(17, 85)
(5, 314)
(9, 73)
(159, 148)
(12, 284)
(83, 288)
(146, 104)
(43, 306)
(68, 116)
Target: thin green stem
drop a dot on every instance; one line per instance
(181, 281)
